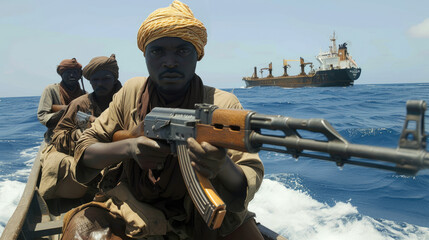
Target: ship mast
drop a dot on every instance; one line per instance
(333, 48)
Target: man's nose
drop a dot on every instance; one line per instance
(97, 82)
(170, 61)
(74, 74)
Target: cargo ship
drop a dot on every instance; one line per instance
(337, 68)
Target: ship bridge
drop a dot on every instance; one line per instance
(336, 59)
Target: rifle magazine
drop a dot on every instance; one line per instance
(208, 203)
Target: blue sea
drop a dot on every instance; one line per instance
(300, 199)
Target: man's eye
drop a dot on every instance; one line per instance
(184, 51)
(155, 52)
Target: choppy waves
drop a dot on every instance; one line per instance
(12, 186)
(294, 214)
(10, 192)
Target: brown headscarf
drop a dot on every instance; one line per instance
(142, 187)
(101, 63)
(68, 64)
(176, 20)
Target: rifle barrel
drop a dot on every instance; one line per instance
(418, 158)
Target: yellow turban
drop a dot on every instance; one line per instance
(176, 20)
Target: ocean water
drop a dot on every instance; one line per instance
(300, 199)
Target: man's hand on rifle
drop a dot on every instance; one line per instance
(213, 162)
(148, 153)
(206, 158)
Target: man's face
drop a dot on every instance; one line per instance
(102, 82)
(171, 63)
(71, 76)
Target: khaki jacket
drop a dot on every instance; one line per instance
(49, 97)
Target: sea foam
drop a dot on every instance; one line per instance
(294, 214)
(10, 192)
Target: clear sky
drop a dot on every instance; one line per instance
(389, 40)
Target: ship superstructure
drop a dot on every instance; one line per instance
(336, 59)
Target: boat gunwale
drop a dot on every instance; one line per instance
(14, 226)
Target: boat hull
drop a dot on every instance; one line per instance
(326, 78)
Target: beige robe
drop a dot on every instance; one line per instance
(67, 131)
(57, 180)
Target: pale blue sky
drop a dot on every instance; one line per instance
(389, 40)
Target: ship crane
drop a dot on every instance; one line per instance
(303, 64)
(311, 69)
(269, 68)
(286, 66)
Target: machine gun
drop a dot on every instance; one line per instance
(243, 130)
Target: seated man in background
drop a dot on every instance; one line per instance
(56, 97)
(143, 194)
(57, 181)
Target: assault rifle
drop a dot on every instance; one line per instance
(242, 130)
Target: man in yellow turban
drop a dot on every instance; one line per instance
(143, 194)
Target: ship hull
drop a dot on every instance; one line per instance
(326, 78)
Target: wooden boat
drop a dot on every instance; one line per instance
(35, 218)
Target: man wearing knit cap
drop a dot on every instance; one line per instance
(143, 195)
(56, 97)
(57, 181)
